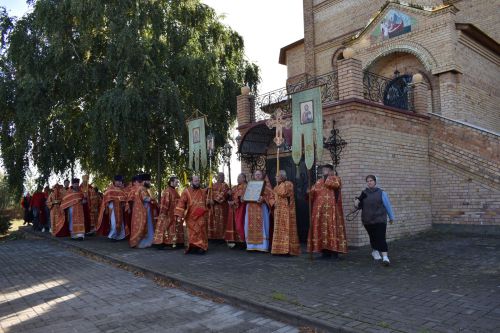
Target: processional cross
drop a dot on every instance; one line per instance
(279, 123)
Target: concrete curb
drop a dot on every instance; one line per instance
(273, 312)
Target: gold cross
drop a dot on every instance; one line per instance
(279, 123)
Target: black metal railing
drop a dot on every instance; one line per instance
(374, 87)
(266, 103)
(396, 92)
(270, 100)
(328, 82)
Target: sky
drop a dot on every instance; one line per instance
(265, 25)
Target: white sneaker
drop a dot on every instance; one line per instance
(43, 229)
(376, 255)
(386, 261)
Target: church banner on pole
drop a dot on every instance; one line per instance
(197, 143)
(307, 119)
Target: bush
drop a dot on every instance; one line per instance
(4, 224)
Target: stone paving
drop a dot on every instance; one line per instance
(437, 282)
(46, 288)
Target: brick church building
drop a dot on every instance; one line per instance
(414, 90)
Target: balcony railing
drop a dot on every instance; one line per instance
(396, 92)
(374, 87)
(266, 103)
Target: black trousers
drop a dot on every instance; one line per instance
(377, 236)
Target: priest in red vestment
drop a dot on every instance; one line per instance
(258, 217)
(91, 207)
(167, 230)
(192, 209)
(235, 227)
(129, 203)
(142, 225)
(72, 203)
(54, 204)
(327, 233)
(217, 208)
(111, 221)
(285, 237)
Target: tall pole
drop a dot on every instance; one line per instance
(277, 160)
(158, 175)
(309, 199)
(229, 171)
(211, 149)
(226, 153)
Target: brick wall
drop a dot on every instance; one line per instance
(465, 173)
(335, 18)
(478, 90)
(464, 76)
(432, 40)
(392, 145)
(481, 13)
(295, 61)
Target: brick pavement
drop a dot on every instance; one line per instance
(437, 282)
(44, 288)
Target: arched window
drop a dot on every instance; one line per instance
(337, 55)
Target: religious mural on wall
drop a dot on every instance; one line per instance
(394, 23)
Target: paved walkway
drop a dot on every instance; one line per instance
(44, 288)
(436, 283)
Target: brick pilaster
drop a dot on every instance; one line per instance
(310, 63)
(350, 76)
(245, 112)
(420, 97)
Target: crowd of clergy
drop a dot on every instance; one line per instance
(198, 214)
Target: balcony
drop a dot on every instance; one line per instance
(396, 92)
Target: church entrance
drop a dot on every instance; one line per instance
(300, 186)
(253, 151)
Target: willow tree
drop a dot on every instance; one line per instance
(110, 84)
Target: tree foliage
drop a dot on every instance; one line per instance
(6, 201)
(111, 83)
